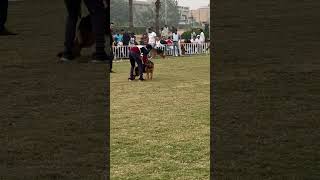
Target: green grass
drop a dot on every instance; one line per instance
(166, 135)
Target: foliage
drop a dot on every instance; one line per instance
(187, 34)
(136, 30)
(119, 12)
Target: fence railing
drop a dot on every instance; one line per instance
(122, 52)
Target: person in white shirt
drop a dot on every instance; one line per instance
(152, 37)
(165, 31)
(176, 39)
(199, 44)
(193, 35)
(194, 42)
(202, 36)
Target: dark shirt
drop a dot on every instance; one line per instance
(126, 39)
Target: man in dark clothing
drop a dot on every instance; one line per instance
(3, 18)
(111, 43)
(96, 9)
(134, 55)
(126, 38)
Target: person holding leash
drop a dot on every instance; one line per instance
(135, 57)
(3, 18)
(98, 17)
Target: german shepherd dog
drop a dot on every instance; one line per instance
(154, 52)
(85, 37)
(148, 68)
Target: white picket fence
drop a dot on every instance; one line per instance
(122, 52)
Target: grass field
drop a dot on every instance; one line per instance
(160, 128)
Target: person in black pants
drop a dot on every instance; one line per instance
(135, 57)
(109, 34)
(96, 9)
(3, 18)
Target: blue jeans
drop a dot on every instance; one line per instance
(175, 48)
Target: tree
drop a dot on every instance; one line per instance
(158, 5)
(119, 12)
(146, 18)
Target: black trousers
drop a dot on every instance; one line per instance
(3, 13)
(135, 58)
(98, 18)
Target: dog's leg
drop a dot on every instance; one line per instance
(147, 74)
(151, 75)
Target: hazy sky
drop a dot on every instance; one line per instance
(193, 4)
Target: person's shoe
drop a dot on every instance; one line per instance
(112, 71)
(99, 58)
(141, 79)
(6, 32)
(130, 79)
(65, 58)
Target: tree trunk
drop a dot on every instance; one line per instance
(158, 4)
(131, 14)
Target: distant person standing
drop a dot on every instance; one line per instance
(193, 35)
(202, 40)
(98, 18)
(132, 39)
(198, 40)
(126, 38)
(111, 43)
(152, 37)
(194, 41)
(176, 39)
(202, 36)
(3, 18)
(165, 31)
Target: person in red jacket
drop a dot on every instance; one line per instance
(135, 57)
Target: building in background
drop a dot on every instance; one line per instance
(184, 15)
(200, 15)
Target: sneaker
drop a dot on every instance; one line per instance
(100, 58)
(65, 58)
(6, 32)
(130, 79)
(141, 79)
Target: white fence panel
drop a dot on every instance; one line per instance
(122, 52)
